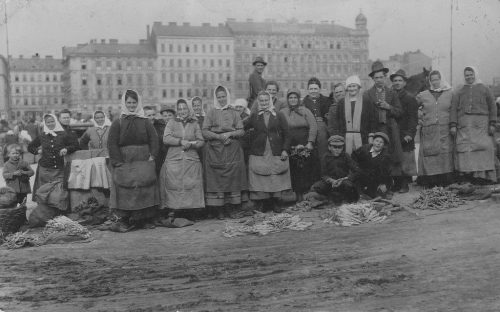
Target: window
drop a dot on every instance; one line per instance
(196, 62)
(164, 93)
(99, 95)
(24, 77)
(212, 77)
(211, 48)
(99, 81)
(98, 64)
(195, 48)
(162, 47)
(139, 64)
(84, 66)
(203, 48)
(228, 63)
(47, 78)
(16, 78)
(129, 79)
(119, 81)
(227, 48)
(84, 81)
(269, 45)
(309, 45)
(188, 77)
(129, 64)
(188, 63)
(150, 79)
(188, 93)
(211, 63)
(119, 65)
(150, 64)
(228, 77)
(17, 90)
(108, 65)
(164, 77)
(220, 76)
(172, 77)
(331, 45)
(179, 48)
(204, 77)
(181, 93)
(32, 78)
(170, 48)
(187, 49)
(171, 63)
(285, 59)
(139, 79)
(205, 92)
(163, 63)
(180, 77)
(219, 48)
(172, 93)
(196, 77)
(285, 46)
(25, 102)
(204, 62)
(220, 63)
(119, 95)
(338, 46)
(254, 44)
(179, 63)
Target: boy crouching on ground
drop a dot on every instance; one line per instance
(338, 173)
(17, 173)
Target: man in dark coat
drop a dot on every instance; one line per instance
(386, 106)
(255, 80)
(407, 123)
(338, 173)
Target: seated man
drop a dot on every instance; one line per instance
(374, 178)
(338, 173)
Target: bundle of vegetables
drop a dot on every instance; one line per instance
(263, 224)
(352, 214)
(64, 225)
(437, 198)
(22, 239)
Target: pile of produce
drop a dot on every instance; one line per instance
(59, 229)
(263, 224)
(437, 198)
(352, 214)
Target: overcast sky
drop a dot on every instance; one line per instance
(395, 26)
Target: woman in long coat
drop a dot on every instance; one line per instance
(96, 137)
(435, 159)
(133, 146)
(223, 161)
(473, 118)
(269, 171)
(53, 144)
(302, 128)
(181, 174)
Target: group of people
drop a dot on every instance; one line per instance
(352, 144)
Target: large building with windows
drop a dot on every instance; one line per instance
(297, 51)
(192, 60)
(36, 86)
(98, 73)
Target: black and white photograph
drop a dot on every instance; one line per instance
(265, 155)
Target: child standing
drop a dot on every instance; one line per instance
(17, 173)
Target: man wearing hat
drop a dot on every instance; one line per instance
(374, 178)
(407, 123)
(255, 80)
(386, 107)
(338, 173)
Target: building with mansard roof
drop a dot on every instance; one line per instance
(297, 51)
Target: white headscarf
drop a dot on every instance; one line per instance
(57, 128)
(216, 103)
(476, 74)
(190, 116)
(139, 111)
(106, 123)
(444, 84)
(271, 104)
(242, 103)
(202, 110)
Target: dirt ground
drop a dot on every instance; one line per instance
(437, 261)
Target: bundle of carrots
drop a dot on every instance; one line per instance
(437, 198)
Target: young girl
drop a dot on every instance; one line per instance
(17, 173)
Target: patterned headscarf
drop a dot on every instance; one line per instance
(139, 111)
(106, 123)
(216, 103)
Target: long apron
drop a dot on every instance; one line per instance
(304, 172)
(435, 152)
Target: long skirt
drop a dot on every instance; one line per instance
(225, 173)
(140, 202)
(182, 184)
(46, 175)
(268, 175)
(303, 171)
(435, 155)
(475, 148)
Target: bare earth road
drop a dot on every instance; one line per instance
(440, 261)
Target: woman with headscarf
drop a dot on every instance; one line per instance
(353, 119)
(302, 129)
(223, 161)
(181, 174)
(473, 118)
(133, 146)
(268, 169)
(435, 159)
(96, 137)
(199, 113)
(52, 144)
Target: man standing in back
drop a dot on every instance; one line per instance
(255, 80)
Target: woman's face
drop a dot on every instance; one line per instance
(313, 90)
(239, 108)
(50, 123)
(182, 110)
(353, 89)
(99, 118)
(378, 144)
(221, 98)
(293, 99)
(167, 115)
(131, 104)
(263, 101)
(197, 106)
(272, 89)
(470, 76)
(435, 81)
(339, 93)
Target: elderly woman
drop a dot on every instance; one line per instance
(302, 128)
(268, 172)
(473, 118)
(223, 161)
(181, 174)
(435, 159)
(353, 118)
(96, 137)
(133, 146)
(53, 144)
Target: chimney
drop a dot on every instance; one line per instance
(36, 55)
(113, 41)
(205, 24)
(148, 33)
(103, 41)
(185, 24)
(172, 24)
(49, 57)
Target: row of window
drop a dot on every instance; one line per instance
(302, 58)
(301, 69)
(110, 94)
(36, 89)
(180, 93)
(119, 80)
(296, 44)
(195, 62)
(118, 65)
(193, 48)
(36, 77)
(195, 78)
(38, 101)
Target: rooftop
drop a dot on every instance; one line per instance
(36, 63)
(112, 47)
(188, 30)
(292, 27)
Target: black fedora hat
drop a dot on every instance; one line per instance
(377, 66)
(401, 73)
